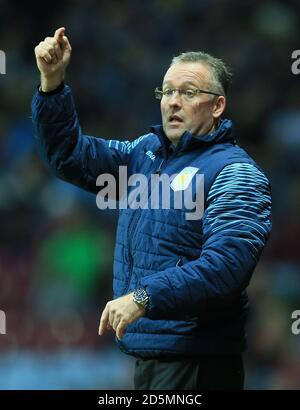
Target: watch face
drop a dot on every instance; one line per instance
(140, 296)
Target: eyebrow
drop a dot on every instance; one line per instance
(184, 83)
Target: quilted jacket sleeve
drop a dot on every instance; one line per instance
(74, 157)
(236, 226)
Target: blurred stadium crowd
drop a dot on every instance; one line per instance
(56, 247)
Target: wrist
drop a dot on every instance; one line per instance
(141, 298)
(53, 92)
(51, 83)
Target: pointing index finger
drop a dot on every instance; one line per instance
(59, 34)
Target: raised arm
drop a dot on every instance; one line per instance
(76, 158)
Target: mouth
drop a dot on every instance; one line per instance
(175, 120)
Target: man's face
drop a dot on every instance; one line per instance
(197, 115)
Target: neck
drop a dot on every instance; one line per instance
(209, 131)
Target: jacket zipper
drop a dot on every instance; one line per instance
(131, 229)
(132, 226)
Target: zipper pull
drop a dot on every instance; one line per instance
(158, 171)
(179, 262)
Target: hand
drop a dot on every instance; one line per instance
(52, 57)
(119, 313)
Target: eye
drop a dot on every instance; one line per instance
(190, 93)
(168, 92)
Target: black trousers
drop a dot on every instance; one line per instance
(214, 372)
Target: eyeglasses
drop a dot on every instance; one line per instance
(188, 94)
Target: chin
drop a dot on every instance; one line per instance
(174, 136)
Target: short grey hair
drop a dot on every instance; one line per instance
(221, 74)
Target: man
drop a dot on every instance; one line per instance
(179, 284)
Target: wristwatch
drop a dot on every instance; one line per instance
(140, 296)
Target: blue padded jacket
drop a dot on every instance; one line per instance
(195, 271)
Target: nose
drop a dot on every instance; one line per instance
(175, 99)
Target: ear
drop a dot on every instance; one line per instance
(219, 106)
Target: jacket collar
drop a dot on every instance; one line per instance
(224, 133)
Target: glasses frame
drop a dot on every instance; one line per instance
(159, 93)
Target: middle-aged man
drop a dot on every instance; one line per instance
(179, 304)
